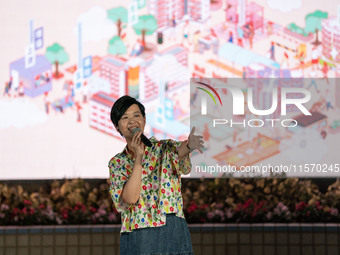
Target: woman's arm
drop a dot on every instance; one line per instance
(183, 150)
(132, 187)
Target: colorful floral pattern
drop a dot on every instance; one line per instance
(161, 185)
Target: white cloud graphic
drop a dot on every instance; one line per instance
(284, 5)
(95, 25)
(19, 114)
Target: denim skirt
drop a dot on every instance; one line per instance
(172, 238)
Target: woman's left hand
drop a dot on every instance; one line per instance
(195, 142)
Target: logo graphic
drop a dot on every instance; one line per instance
(239, 100)
(204, 99)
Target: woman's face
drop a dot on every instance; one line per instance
(131, 119)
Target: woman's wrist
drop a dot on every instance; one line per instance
(187, 145)
(138, 159)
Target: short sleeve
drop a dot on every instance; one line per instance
(118, 178)
(183, 166)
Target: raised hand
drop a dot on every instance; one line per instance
(195, 142)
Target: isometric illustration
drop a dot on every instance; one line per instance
(64, 64)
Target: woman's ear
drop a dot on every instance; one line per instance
(117, 128)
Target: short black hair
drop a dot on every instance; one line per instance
(121, 105)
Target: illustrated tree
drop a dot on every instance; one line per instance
(313, 23)
(57, 56)
(118, 15)
(147, 24)
(296, 29)
(116, 46)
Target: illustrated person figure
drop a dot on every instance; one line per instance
(258, 142)
(325, 71)
(251, 35)
(47, 78)
(186, 33)
(312, 74)
(8, 87)
(285, 60)
(6, 91)
(146, 185)
(231, 38)
(78, 108)
(172, 30)
(235, 133)
(58, 106)
(244, 73)
(270, 27)
(66, 95)
(47, 103)
(328, 100)
(21, 89)
(137, 49)
(71, 89)
(85, 91)
(240, 35)
(10, 83)
(315, 57)
(302, 59)
(195, 41)
(272, 51)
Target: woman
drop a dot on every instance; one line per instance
(146, 185)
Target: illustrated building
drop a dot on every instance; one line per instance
(198, 10)
(113, 70)
(241, 13)
(181, 55)
(164, 10)
(148, 87)
(36, 79)
(99, 113)
(331, 38)
(127, 78)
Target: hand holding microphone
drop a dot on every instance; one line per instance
(144, 139)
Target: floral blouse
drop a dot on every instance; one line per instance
(161, 185)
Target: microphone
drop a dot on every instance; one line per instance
(144, 139)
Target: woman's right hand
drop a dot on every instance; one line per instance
(137, 146)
